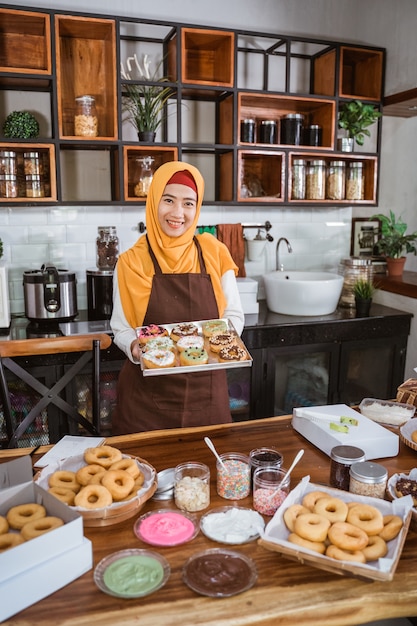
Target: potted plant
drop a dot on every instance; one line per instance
(363, 291)
(21, 125)
(394, 243)
(355, 117)
(145, 103)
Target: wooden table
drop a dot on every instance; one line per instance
(287, 592)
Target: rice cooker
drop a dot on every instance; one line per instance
(50, 294)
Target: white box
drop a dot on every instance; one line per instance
(248, 291)
(247, 285)
(35, 569)
(314, 424)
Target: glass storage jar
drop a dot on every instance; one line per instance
(368, 479)
(291, 129)
(8, 163)
(341, 459)
(316, 180)
(34, 187)
(145, 176)
(353, 269)
(85, 119)
(268, 131)
(234, 476)
(32, 164)
(355, 188)
(192, 486)
(298, 183)
(8, 186)
(312, 135)
(270, 488)
(107, 243)
(335, 182)
(247, 131)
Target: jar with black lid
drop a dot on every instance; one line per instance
(368, 479)
(342, 457)
(291, 129)
(268, 131)
(312, 135)
(247, 131)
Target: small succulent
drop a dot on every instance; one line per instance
(21, 125)
(363, 289)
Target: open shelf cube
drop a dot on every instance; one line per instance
(260, 176)
(86, 65)
(132, 167)
(25, 42)
(47, 169)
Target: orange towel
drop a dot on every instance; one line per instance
(232, 236)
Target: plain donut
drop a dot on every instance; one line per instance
(64, 495)
(65, 479)
(291, 514)
(312, 527)
(316, 546)
(86, 473)
(333, 508)
(10, 540)
(311, 498)
(366, 517)
(376, 548)
(347, 537)
(40, 527)
(119, 483)
(356, 556)
(128, 465)
(4, 525)
(392, 526)
(102, 455)
(21, 514)
(93, 497)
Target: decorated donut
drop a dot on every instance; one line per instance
(159, 343)
(150, 332)
(232, 353)
(64, 479)
(221, 340)
(212, 327)
(366, 517)
(40, 527)
(183, 330)
(347, 537)
(93, 497)
(159, 358)
(192, 341)
(21, 514)
(10, 540)
(118, 482)
(333, 508)
(102, 455)
(312, 527)
(194, 356)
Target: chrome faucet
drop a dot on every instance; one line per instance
(279, 265)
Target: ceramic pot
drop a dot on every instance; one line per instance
(147, 136)
(363, 307)
(395, 267)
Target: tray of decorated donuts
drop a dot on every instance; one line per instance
(190, 347)
(340, 532)
(103, 485)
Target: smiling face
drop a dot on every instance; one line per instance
(177, 209)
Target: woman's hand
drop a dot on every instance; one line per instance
(135, 349)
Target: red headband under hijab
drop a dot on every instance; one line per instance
(184, 177)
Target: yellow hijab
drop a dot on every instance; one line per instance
(175, 255)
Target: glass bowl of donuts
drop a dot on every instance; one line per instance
(340, 532)
(401, 485)
(102, 484)
(190, 346)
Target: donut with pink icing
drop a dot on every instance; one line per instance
(145, 333)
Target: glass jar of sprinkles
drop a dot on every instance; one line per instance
(264, 457)
(270, 488)
(233, 480)
(192, 486)
(368, 479)
(342, 457)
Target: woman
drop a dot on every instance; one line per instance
(170, 275)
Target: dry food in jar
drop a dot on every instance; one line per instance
(342, 457)
(335, 183)
(355, 181)
(234, 476)
(192, 486)
(107, 244)
(298, 187)
(85, 119)
(34, 187)
(316, 180)
(8, 186)
(368, 479)
(32, 164)
(270, 488)
(8, 163)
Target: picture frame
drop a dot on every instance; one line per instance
(364, 235)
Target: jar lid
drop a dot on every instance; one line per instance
(32, 177)
(337, 164)
(299, 162)
(318, 162)
(347, 454)
(356, 164)
(271, 122)
(314, 127)
(248, 120)
(355, 261)
(85, 99)
(368, 472)
(11, 177)
(31, 155)
(294, 116)
(7, 154)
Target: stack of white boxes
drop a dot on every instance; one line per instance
(248, 290)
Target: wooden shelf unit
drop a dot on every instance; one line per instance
(219, 77)
(47, 171)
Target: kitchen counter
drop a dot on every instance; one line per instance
(286, 591)
(405, 285)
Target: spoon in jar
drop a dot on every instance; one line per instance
(293, 464)
(210, 445)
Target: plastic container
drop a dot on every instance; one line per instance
(335, 182)
(298, 185)
(269, 492)
(368, 479)
(85, 119)
(107, 244)
(342, 457)
(355, 181)
(247, 131)
(291, 129)
(352, 269)
(268, 131)
(192, 486)
(234, 482)
(387, 412)
(316, 180)
(264, 457)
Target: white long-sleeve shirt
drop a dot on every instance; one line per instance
(124, 334)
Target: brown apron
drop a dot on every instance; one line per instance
(173, 400)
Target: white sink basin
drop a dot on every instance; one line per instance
(303, 293)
